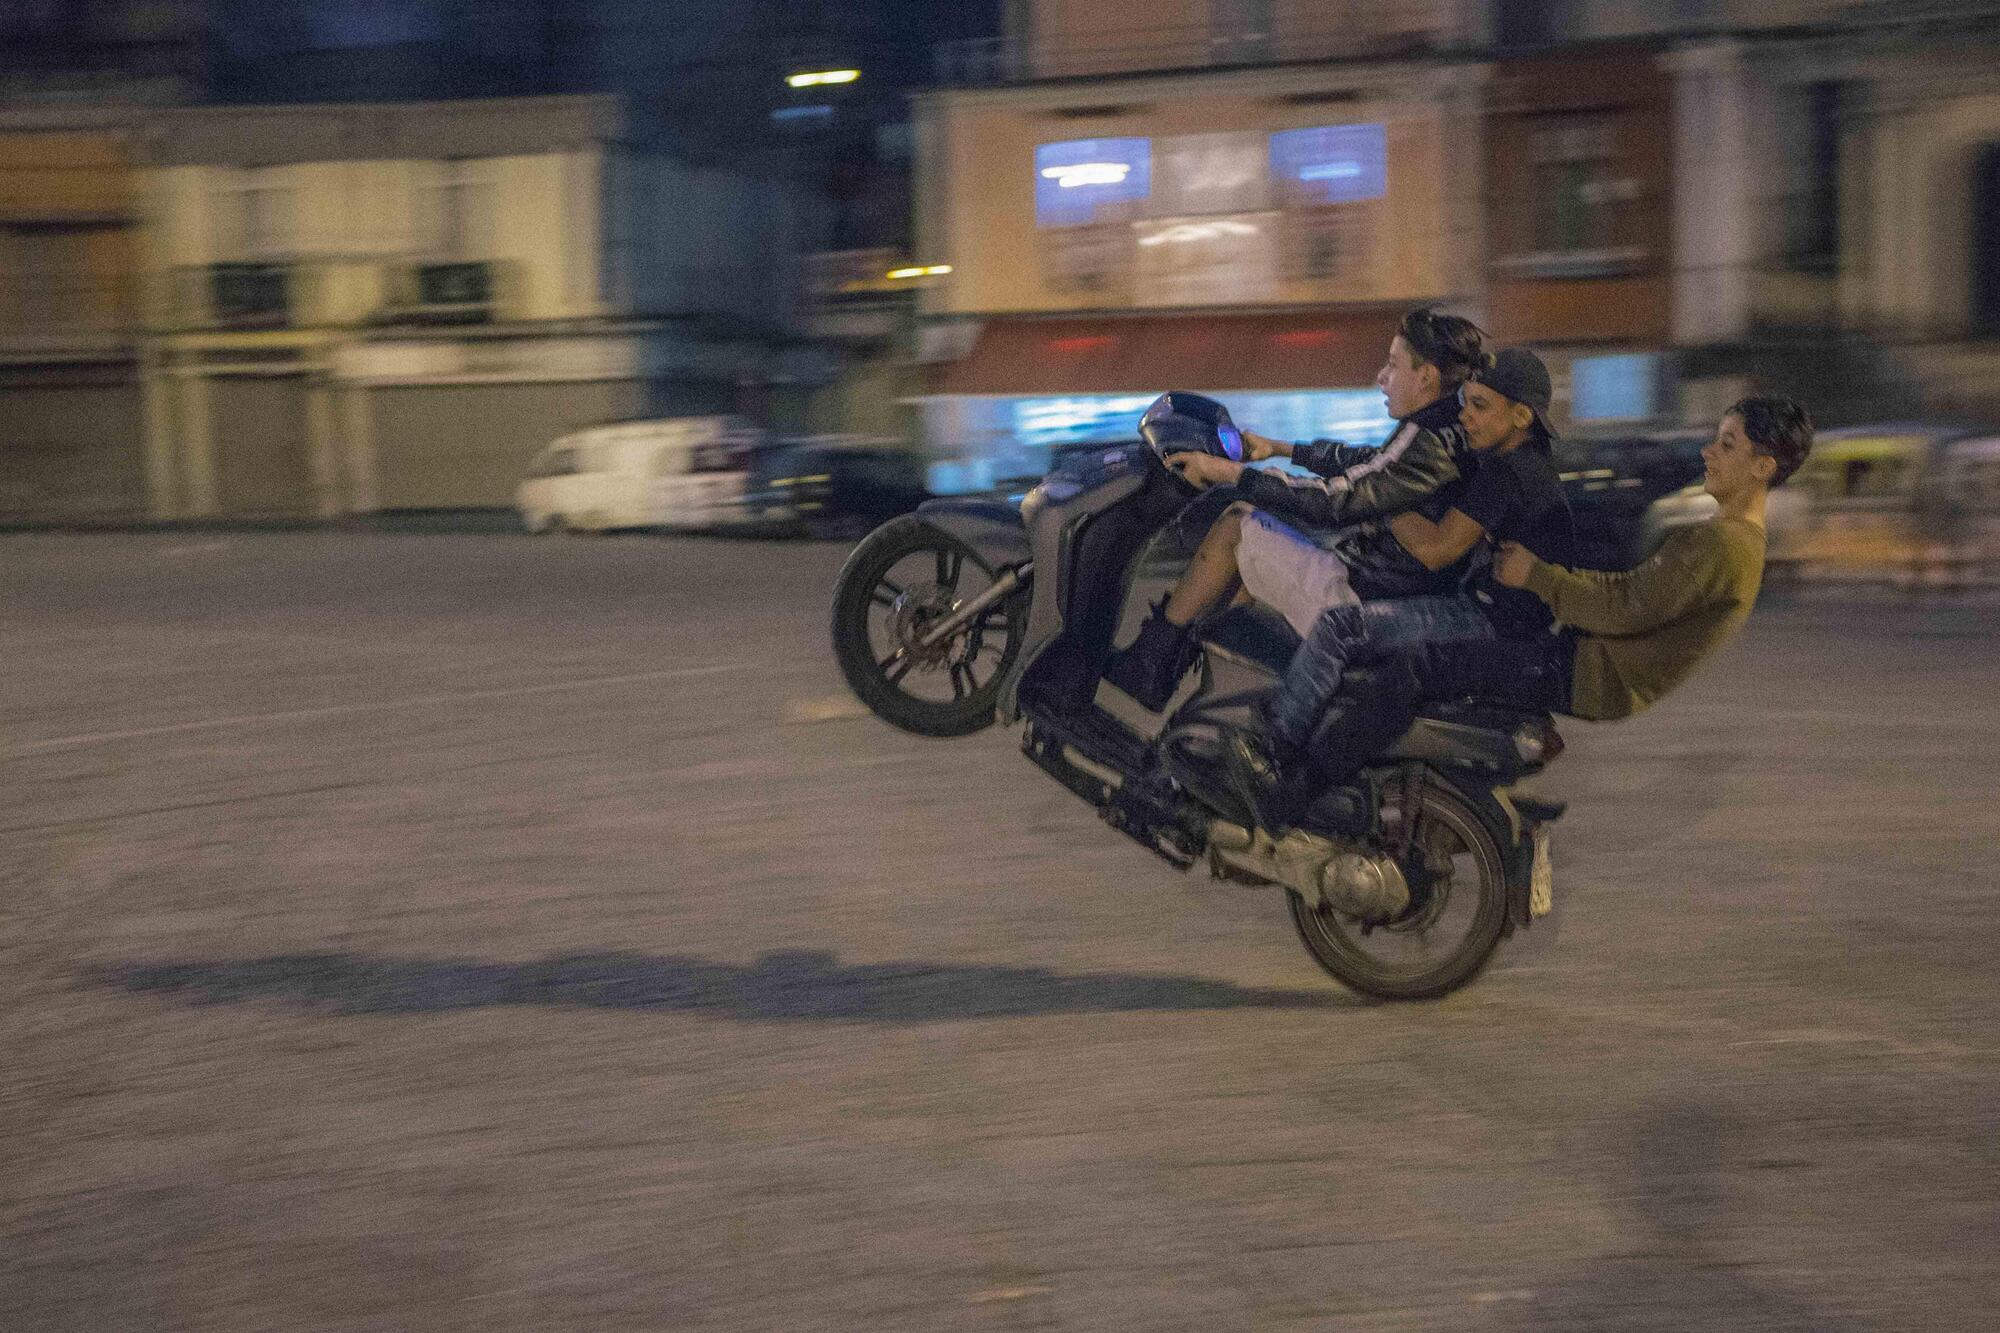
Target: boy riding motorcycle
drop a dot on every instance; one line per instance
(1627, 639)
(1509, 492)
(1257, 547)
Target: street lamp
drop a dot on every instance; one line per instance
(815, 78)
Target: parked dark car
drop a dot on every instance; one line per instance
(833, 486)
(1628, 492)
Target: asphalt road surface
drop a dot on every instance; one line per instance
(472, 932)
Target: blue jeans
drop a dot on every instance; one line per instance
(1346, 636)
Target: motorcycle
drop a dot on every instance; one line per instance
(1401, 882)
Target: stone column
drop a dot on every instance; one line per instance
(203, 497)
(1714, 199)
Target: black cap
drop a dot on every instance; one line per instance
(1518, 374)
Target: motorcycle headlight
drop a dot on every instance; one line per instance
(1531, 743)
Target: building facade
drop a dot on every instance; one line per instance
(71, 255)
(1115, 225)
(364, 308)
(1675, 204)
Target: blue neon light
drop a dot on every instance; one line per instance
(1334, 164)
(1077, 177)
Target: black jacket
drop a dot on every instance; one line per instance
(1357, 482)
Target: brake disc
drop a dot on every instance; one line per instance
(911, 616)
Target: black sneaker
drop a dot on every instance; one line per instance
(1150, 670)
(1276, 796)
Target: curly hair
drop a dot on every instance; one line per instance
(1777, 427)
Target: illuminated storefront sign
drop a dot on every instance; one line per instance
(1332, 164)
(1076, 179)
(979, 443)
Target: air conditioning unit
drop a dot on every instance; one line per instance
(251, 294)
(444, 292)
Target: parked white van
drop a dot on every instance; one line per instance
(679, 472)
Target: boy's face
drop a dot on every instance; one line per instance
(1488, 417)
(1405, 385)
(1735, 468)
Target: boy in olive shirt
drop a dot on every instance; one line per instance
(1628, 639)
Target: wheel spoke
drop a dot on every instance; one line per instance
(885, 593)
(948, 564)
(894, 670)
(961, 680)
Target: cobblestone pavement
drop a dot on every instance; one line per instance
(468, 932)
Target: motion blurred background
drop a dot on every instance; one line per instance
(409, 922)
(276, 260)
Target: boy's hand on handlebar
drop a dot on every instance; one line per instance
(1257, 448)
(1512, 564)
(1204, 469)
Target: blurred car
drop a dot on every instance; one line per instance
(833, 486)
(1879, 496)
(677, 472)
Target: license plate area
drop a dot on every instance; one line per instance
(1542, 879)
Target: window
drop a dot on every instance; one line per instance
(1240, 30)
(455, 210)
(1572, 161)
(1331, 179)
(1621, 387)
(1083, 181)
(1811, 120)
(1332, 164)
(255, 214)
(1584, 204)
(555, 463)
(1210, 173)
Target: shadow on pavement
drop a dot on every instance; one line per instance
(1686, 1267)
(788, 985)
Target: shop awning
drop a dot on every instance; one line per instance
(1149, 354)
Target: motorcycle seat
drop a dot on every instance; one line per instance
(1252, 634)
(1256, 636)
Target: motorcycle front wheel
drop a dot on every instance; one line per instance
(900, 581)
(1457, 912)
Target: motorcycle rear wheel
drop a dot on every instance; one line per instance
(902, 578)
(1456, 838)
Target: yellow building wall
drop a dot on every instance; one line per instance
(987, 159)
(353, 220)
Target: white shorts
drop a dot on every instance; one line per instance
(1289, 572)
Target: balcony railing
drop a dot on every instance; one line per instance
(1379, 29)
